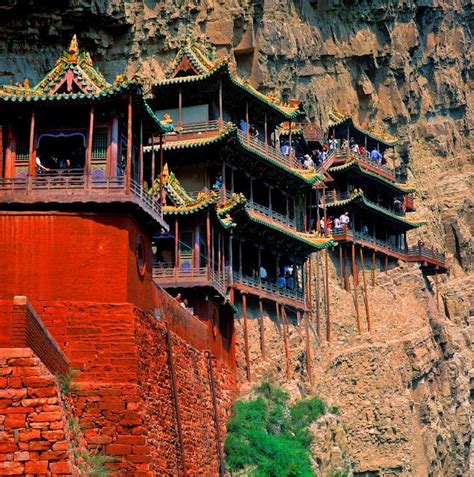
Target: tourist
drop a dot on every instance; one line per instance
(218, 183)
(184, 303)
(263, 274)
(281, 281)
(345, 220)
(322, 227)
(375, 156)
(290, 282)
(243, 126)
(329, 224)
(285, 149)
(308, 162)
(253, 131)
(337, 223)
(365, 230)
(398, 206)
(39, 165)
(178, 298)
(355, 148)
(332, 144)
(344, 144)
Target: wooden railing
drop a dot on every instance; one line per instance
(180, 276)
(70, 184)
(270, 151)
(421, 252)
(271, 214)
(199, 126)
(269, 287)
(365, 160)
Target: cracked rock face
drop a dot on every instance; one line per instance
(401, 66)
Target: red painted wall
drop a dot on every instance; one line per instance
(73, 256)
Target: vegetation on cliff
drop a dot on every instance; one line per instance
(269, 437)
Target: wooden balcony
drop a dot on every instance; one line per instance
(426, 256)
(195, 130)
(176, 277)
(345, 155)
(66, 187)
(269, 291)
(271, 214)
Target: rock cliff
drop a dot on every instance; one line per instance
(398, 65)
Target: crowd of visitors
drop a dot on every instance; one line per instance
(284, 279)
(183, 303)
(334, 224)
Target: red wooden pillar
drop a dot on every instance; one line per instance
(366, 297)
(221, 113)
(162, 192)
(180, 108)
(318, 295)
(128, 169)
(112, 171)
(90, 136)
(308, 348)
(262, 329)
(140, 155)
(285, 338)
(2, 159)
(246, 335)
(153, 166)
(10, 153)
(437, 289)
(176, 242)
(208, 243)
(373, 268)
(31, 150)
(328, 318)
(354, 281)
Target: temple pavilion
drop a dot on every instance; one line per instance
(236, 202)
(74, 138)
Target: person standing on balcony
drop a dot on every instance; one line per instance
(40, 169)
(290, 282)
(345, 220)
(329, 224)
(281, 281)
(375, 156)
(218, 183)
(322, 227)
(332, 144)
(263, 273)
(337, 223)
(308, 162)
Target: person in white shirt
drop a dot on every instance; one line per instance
(344, 219)
(39, 165)
(355, 149)
(308, 162)
(263, 273)
(321, 226)
(337, 223)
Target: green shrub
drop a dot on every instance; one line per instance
(269, 438)
(65, 382)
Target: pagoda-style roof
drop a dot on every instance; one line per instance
(355, 165)
(337, 119)
(357, 197)
(197, 61)
(231, 132)
(75, 79)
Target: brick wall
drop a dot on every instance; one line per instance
(33, 424)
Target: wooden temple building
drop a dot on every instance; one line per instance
(236, 203)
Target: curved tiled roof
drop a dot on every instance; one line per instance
(355, 163)
(337, 119)
(357, 196)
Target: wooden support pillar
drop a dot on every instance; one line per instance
(305, 215)
(262, 329)
(128, 168)
(230, 249)
(196, 245)
(215, 415)
(176, 242)
(346, 274)
(354, 281)
(318, 296)
(308, 348)
(251, 189)
(223, 192)
(140, 155)
(31, 150)
(270, 197)
(341, 266)
(174, 391)
(162, 190)
(386, 263)
(318, 214)
(180, 108)
(437, 287)
(290, 140)
(246, 336)
(232, 179)
(309, 291)
(221, 113)
(153, 167)
(373, 268)
(10, 153)
(325, 212)
(247, 132)
(328, 316)
(113, 159)
(223, 254)
(366, 297)
(90, 137)
(208, 243)
(285, 338)
(266, 131)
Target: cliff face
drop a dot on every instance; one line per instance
(401, 66)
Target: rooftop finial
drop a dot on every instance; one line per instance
(73, 49)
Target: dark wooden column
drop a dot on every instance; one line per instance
(162, 192)
(355, 283)
(128, 170)
(140, 155)
(366, 297)
(221, 113)
(90, 137)
(31, 150)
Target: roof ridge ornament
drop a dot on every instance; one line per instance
(73, 50)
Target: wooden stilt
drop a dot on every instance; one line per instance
(128, 166)
(341, 266)
(354, 281)
(262, 329)
(328, 319)
(285, 338)
(318, 296)
(246, 335)
(366, 297)
(162, 190)
(308, 349)
(373, 268)
(140, 155)
(386, 263)
(346, 273)
(176, 242)
(437, 288)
